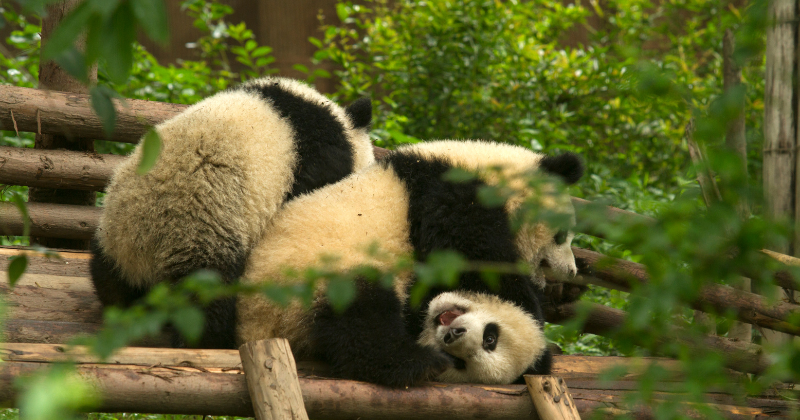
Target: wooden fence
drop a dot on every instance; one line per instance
(55, 301)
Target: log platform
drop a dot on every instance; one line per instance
(54, 301)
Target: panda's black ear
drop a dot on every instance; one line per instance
(360, 112)
(566, 165)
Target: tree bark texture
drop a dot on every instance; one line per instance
(56, 168)
(551, 398)
(272, 382)
(223, 391)
(71, 115)
(605, 321)
(751, 308)
(51, 220)
(780, 122)
(53, 77)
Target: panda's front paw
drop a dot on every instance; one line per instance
(419, 365)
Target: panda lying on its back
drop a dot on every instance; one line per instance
(226, 166)
(402, 203)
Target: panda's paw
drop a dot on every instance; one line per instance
(420, 365)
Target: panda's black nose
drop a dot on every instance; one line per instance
(454, 334)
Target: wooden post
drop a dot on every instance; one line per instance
(780, 125)
(53, 77)
(272, 380)
(551, 398)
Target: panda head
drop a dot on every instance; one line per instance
(543, 245)
(492, 341)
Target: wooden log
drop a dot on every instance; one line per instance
(51, 220)
(171, 390)
(605, 321)
(32, 331)
(572, 367)
(272, 380)
(225, 360)
(71, 114)
(56, 168)
(750, 307)
(551, 398)
(52, 76)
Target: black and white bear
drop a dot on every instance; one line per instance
(226, 166)
(474, 333)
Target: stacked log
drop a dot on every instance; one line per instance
(211, 382)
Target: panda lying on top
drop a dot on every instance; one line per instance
(471, 334)
(226, 166)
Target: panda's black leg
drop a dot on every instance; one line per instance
(368, 341)
(219, 330)
(111, 288)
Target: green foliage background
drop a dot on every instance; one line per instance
(510, 71)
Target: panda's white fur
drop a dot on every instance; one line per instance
(226, 166)
(519, 341)
(380, 204)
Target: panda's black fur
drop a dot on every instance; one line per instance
(191, 211)
(375, 338)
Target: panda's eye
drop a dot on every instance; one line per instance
(490, 334)
(560, 237)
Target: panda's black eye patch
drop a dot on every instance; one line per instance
(490, 334)
(561, 237)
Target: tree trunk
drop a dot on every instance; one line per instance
(780, 124)
(53, 77)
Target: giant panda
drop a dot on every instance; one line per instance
(227, 164)
(403, 204)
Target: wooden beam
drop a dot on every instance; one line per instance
(51, 220)
(605, 321)
(207, 391)
(551, 398)
(56, 168)
(271, 376)
(71, 114)
(750, 307)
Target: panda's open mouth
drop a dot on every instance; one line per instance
(447, 317)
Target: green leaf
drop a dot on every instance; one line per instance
(250, 45)
(340, 293)
(322, 73)
(104, 107)
(403, 138)
(19, 202)
(261, 51)
(151, 149)
(189, 322)
(118, 47)
(300, 68)
(342, 11)
(152, 16)
(17, 268)
(65, 34)
(317, 43)
(458, 175)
